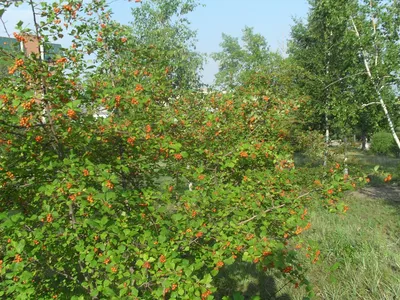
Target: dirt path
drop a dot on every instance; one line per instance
(386, 192)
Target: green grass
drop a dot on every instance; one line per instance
(360, 251)
(360, 257)
(366, 162)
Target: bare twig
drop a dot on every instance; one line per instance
(5, 27)
(272, 208)
(342, 78)
(264, 212)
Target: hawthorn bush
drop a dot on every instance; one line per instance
(151, 200)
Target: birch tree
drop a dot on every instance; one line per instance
(376, 28)
(323, 48)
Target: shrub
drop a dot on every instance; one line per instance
(82, 211)
(383, 143)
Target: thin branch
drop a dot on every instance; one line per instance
(271, 209)
(20, 127)
(34, 20)
(5, 27)
(343, 78)
(264, 212)
(368, 104)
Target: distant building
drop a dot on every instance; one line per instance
(30, 46)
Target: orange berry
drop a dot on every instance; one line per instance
(71, 113)
(178, 156)
(18, 258)
(244, 154)
(139, 88)
(49, 218)
(131, 141)
(109, 184)
(288, 269)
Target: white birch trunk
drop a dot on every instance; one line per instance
(380, 98)
(326, 139)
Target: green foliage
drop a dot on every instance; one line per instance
(164, 24)
(250, 64)
(3, 69)
(154, 197)
(324, 49)
(383, 143)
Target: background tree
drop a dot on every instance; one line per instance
(165, 25)
(240, 61)
(375, 27)
(324, 48)
(334, 57)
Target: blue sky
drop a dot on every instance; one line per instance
(271, 18)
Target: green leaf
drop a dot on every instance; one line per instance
(103, 220)
(229, 261)
(177, 217)
(238, 296)
(20, 246)
(207, 279)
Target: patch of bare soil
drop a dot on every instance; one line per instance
(386, 192)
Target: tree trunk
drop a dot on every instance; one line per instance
(363, 142)
(326, 139)
(378, 92)
(346, 168)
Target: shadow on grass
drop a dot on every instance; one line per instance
(243, 281)
(388, 193)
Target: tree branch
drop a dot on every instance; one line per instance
(271, 209)
(5, 27)
(368, 104)
(264, 212)
(343, 78)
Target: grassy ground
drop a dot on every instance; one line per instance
(360, 251)
(366, 162)
(360, 257)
